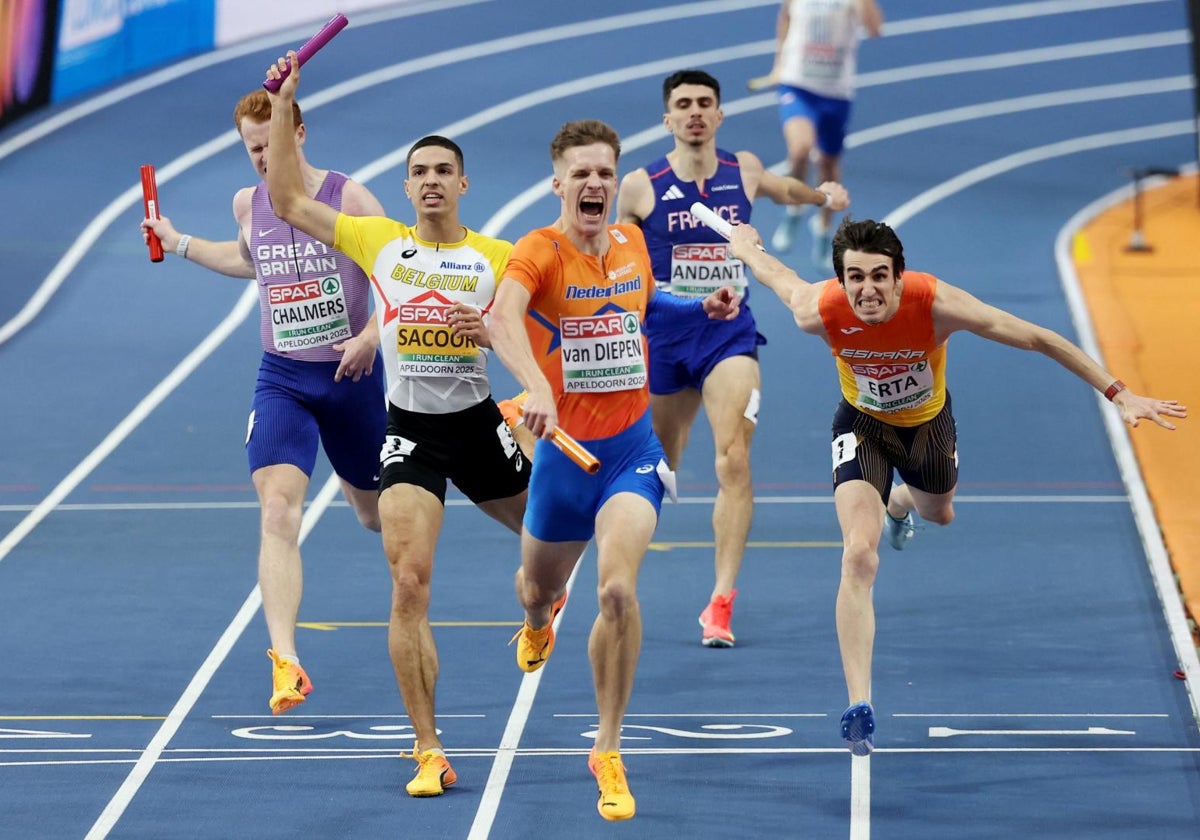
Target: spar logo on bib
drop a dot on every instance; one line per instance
(602, 352)
(614, 323)
(308, 313)
(426, 345)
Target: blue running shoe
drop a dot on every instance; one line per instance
(822, 243)
(899, 531)
(785, 234)
(858, 724)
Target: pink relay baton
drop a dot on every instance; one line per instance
(324, 35)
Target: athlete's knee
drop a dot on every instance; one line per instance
(410, 590)
(368, 516)
(281, 517)
(617, 597)
(942, 514)
(732, 465)
(860, 561)
(673, 443)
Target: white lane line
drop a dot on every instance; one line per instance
(948, 732)
(120, 801)
(860, 797)
(493, 790)
(825, 499)
(247, 303)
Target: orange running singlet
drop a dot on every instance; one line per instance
(585, 326)
(892, 371)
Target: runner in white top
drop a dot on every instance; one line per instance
(816, 60)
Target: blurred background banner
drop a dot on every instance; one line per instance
(101, 41)
(27, 29)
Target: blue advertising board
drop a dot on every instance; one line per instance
(100, 41)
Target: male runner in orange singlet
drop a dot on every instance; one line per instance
(567, 322)
(887, 329)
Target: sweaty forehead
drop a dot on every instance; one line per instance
(692, 93)
(255, 132)
(592, 156)
(430, 157)
(865, 262)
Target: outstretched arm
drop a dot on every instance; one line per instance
(285, 182)
(955, 309)
(784, 189)
(796, 293)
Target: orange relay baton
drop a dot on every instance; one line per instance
(574, 450)
(514, 409)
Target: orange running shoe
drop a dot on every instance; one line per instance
(534, 646)
(615, 802)
(715, 621)
(291, 684)
(434, 773)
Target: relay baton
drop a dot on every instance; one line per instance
(150, 205)
(706, 215)
(570, 447)
(324, 35)
(710, 218)
(574, 450)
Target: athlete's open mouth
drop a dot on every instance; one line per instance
(591, 207)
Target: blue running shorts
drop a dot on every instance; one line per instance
(564, 500)
(829, 116)
(298, 405)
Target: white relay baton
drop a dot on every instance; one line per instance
(706, 215)
(721, 226)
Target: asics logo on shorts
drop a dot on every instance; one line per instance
(644, 468)
(395, 449)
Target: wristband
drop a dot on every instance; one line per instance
(828, 198)
(1112, 390)
(182, 248)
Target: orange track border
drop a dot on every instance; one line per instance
(1145, 310)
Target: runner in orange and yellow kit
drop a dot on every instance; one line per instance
(567, 321)
(887, 329)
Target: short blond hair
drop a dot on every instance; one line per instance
(584, 133)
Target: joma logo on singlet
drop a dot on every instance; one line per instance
(852, 353)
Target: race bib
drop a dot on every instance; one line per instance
(893, 387)
(699, 269)
(602, 353)
(309, 313)
(427, 346)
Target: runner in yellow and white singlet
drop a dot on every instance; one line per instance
(433, 283)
